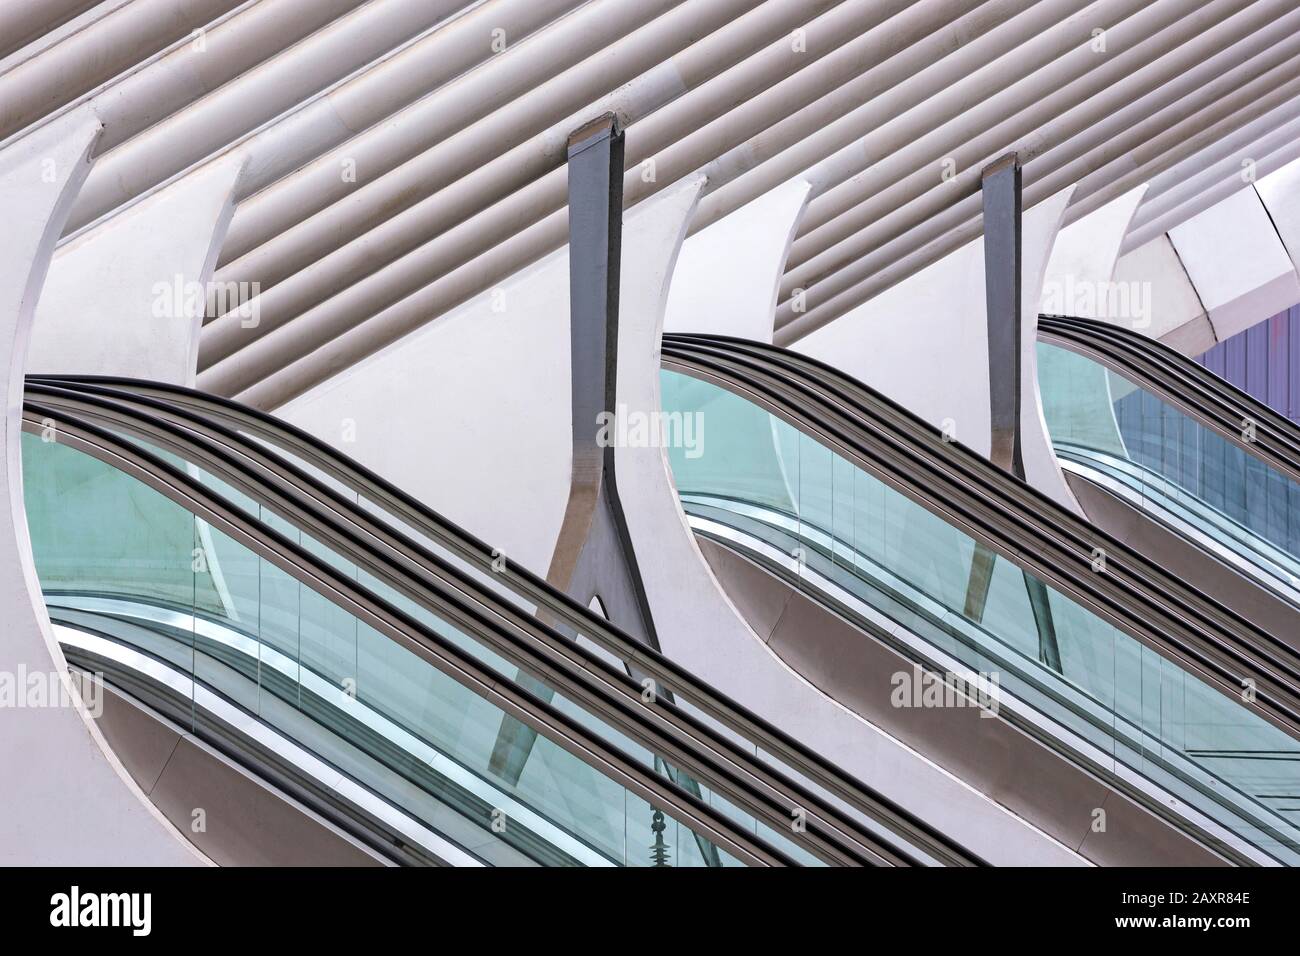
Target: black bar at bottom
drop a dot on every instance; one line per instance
(962, 908)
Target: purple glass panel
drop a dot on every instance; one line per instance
(1264, 361)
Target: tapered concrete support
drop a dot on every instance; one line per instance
(728, 275)
(699, 627)
(935, 321)
(65, 799)
(128, 297)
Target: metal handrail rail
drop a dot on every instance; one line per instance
(358, 601)
(644, 660)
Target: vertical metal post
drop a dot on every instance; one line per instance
(1000, 184)
(593, 558)
(595, 246)
(593, 554)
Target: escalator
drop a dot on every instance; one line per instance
(889, 546)
(327, 634)
(1138, 427)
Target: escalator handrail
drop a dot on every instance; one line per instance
(336, 587)
(986, 502)
(1192, 388)
(718, 706)
(315, 508)
(1045, 728)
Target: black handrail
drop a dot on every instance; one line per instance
(639, 656)
(1189, 386)
(337, 587)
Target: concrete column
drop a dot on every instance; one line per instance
(65, 799)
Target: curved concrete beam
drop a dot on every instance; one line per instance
(127, 297)
(1084, 256)
(699, 627)
(935, 321)
(1280, 194)
(1079, 282)
(726, 282)
(67, 800)
(729, 273)
(1042, 224)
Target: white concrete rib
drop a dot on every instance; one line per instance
(457, 141)
(89, 57)
(928, 218)
(24, 21)
(381, 223)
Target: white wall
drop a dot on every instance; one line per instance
(729, 273)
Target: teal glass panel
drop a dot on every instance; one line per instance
(813, 514)
(112, 551)
(1127, 439)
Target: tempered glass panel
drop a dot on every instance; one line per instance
(499, 586)
(1125, 438)
(151, 575)
(814, 514)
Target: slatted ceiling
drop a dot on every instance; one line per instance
(24, 21)
(748, 125)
